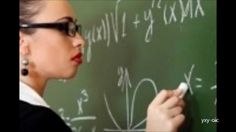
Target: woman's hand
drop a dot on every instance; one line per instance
(165, 112)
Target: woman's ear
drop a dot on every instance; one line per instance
(23, 44)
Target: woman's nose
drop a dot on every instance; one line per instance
(78, 41)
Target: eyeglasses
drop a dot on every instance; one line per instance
(70, 28)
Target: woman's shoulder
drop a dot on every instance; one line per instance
(39, 118)
(28, 111)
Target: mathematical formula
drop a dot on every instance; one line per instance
(113, 24)
(111, 29)
(125, 84)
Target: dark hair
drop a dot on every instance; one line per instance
(28, 9)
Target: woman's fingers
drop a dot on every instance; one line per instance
(181, 103)
(162, 97)
(177, 92)
(165, 112)
(178, 120)
(171, 102)
(175, 111)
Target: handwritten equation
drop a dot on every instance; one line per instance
(113, 27)
(83, 98)
(114, 24)
(189, 78)
(125, 84)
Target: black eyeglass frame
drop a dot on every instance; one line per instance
(70, 28)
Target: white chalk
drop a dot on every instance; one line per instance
(184, 88)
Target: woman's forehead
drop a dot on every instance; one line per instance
(54, 10)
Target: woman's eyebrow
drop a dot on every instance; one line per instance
(70, 19)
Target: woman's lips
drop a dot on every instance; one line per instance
(77, 58)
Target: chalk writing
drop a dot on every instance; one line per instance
(197, 79)
(83, 98)
(189, 77)
(214, 87)
(125, 83)
(136, 21)
(185, 11)
(149, 31)
(62, 80)
(111, 22)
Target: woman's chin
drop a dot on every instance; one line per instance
(70, 75)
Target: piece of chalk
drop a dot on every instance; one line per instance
(184, 88)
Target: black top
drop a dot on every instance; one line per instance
(40, 119)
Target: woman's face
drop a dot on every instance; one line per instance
(52, 53)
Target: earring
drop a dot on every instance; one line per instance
(25, 71)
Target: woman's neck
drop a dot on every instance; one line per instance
(37, 84)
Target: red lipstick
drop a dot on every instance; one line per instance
(77, 58)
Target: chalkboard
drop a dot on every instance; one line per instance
(135, 48)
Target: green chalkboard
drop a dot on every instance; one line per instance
(135, 48)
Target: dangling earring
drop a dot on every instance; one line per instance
(24, 70)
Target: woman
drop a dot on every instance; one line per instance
(50, 48)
